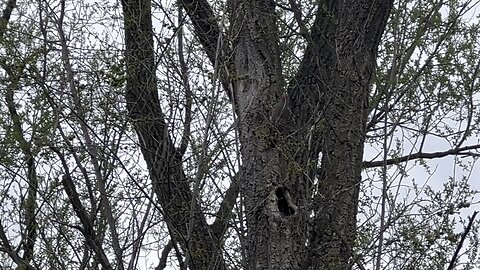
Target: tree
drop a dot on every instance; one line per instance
(329, 105)
(252, 129)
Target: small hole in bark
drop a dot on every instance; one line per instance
(284, 203)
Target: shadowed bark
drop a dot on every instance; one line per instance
(328, 102)
(164, 161)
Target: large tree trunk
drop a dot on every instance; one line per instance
(326, 113)
(354, 33)
(260, 81)
(329, 102)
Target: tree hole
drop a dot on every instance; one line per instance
(285, 205)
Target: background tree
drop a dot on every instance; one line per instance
(252, 118)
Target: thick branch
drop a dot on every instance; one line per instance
(90, 145)
(186, 85)
(5, 246)
(7, 12)
(223, 215)
(208, 31)
(163, 259)
(460, 244)
(457, 151)
(316, 67)
(29, 206)
(163, 160)
(205, 25)
(87, 230)
(348, 64)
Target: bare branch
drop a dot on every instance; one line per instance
(462, 151)
(470, 106)
(10, 251)
(223, 215)
(209, 33)
(297, 14)
(163, 259)
(30, 233)
(30, 203)
(163, 160)
(87, 230)
(91, 148)
(423, 28)
(7, 12)
(141, 235)
(205, 24)
(186, 85)
(460, 244)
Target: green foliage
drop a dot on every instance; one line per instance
(427, 74)
(428, 69)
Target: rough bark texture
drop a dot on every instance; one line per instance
(163, 159)
(289, 225)
(259, 78)
(328, 114)
(352, 34)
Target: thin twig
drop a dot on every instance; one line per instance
(91, 147)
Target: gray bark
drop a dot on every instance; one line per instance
(258, 69)
(164, 161)
(328, 102)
